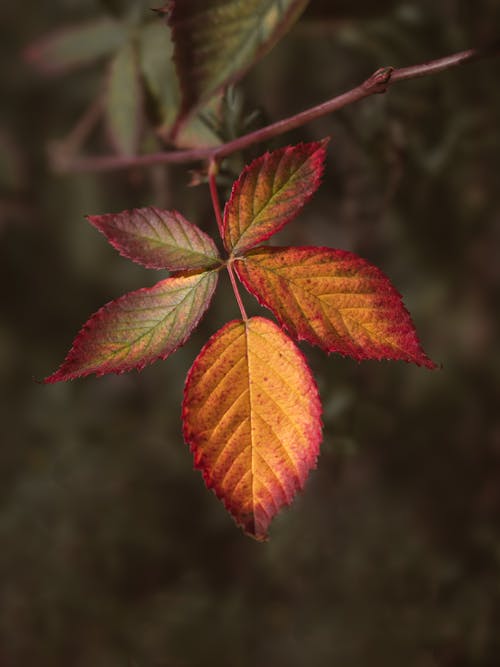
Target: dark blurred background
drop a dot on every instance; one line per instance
(112, 552)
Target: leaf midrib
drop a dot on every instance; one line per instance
(238, 245)
(339, 310)
(125, 346)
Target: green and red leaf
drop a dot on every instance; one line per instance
(158, 239)
(139, 328)
(216, 41)
(76, 46)
(270, 192)
(333, 299)
(123, 101)
(252, 418)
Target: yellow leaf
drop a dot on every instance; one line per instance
(252, 419)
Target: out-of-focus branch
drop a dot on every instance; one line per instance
(379, 82)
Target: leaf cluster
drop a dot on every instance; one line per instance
(168, 71)
(251, 408)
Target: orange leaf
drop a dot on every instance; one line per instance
(252, 419)
(270, 192)
(333, 299)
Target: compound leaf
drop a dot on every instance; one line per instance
(158, 239)
(123, 101)
(333, 299)
(216, 41)
(139, 328)
(252, 418)
(75, 46)
(270, 192)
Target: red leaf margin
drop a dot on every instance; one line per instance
(416, 355)
(193, 441)
(117, 228)
(82, 339)
(314, 151)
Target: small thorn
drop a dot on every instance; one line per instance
(163, 11)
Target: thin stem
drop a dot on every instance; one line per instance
(212, 174)
(62, 151)
(85, 125)
(213, 168)
(236, 291)
(442, 64)
(378, 82)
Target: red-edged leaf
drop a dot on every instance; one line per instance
(216, 41)
(270, 192)
(139, 328)
(123, 101)
(333, 299)
(75, 46)
(252, 418)
(158, 239)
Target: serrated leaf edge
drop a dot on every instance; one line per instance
(192, 443)
(318, 156)
(60, 376)
(426, 362)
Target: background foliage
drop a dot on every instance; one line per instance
(113, 554)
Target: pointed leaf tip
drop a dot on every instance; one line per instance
(158, 239)
(252, 418)
(75, 46)
(139, 328)
(270, 192)
(333, 299)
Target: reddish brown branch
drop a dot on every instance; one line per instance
(212, 174)
(379, 82)
(59, 152)
(234, 285)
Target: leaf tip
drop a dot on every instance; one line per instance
(426, 362)
(251, 372)
(52, 379)
(164, 11)
(259, 536)
(270, 192)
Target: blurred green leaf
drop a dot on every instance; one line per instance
(217, 41)
(156, 51)
(155, 56)
(124, 101)
(76, 46)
